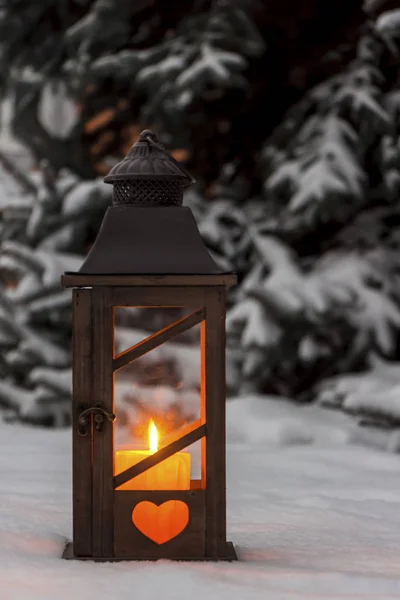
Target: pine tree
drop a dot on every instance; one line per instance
(326, 299)
(46, 226)
(297, 162)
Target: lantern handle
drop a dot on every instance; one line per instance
(99, 414)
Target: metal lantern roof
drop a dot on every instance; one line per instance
(148, 159)
(147, 231)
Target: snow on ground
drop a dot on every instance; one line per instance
(312, 516)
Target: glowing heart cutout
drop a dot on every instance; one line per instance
(161, 523)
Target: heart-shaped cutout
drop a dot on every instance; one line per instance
(162, 522)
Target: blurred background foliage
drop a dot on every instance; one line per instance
(288, 115)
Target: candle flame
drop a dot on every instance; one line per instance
(153, 437)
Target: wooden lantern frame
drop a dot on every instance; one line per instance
(102, 514)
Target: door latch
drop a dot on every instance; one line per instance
(99, 415)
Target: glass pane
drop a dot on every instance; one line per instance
(133, 324)
(160, 387)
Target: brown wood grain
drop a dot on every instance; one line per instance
(130, 542)
(78, 280)
(158, 338)
(99, 529)
(82, 399)
(196, 484)
(190, 438)
(189, 297)
(103, 451)
(215, 390)
(203, 416)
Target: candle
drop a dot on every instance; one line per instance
(173, 473)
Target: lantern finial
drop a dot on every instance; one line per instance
(147, 133)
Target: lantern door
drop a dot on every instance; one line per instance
(127, 522)
(159, 511)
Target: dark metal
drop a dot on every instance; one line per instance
(99, 414)
(148, 193)
(148, 175)
(147, 231)
(149, 241)
(83, 428)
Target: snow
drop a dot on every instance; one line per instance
(57, 112)
(371, 6)
(387, 404)
(312, 517)
(218, 65)
(11, 146)
(389, 22)
(373, 394)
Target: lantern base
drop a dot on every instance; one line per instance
(230, 556)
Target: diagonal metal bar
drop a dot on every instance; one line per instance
(158, 338)
(145, 464)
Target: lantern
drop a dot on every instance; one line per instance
(148, 253)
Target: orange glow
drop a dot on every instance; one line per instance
(160, 523)
(180, 154)
(153, 437)
(102, 118)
